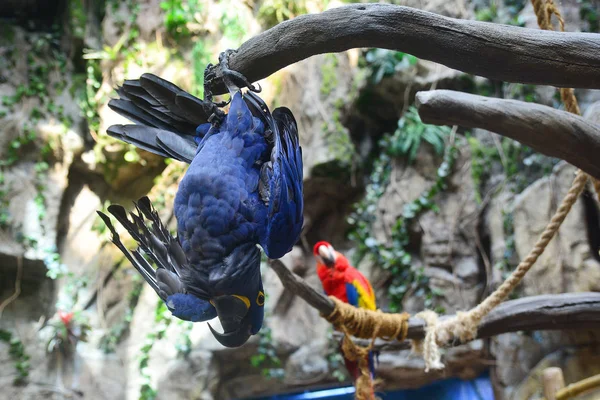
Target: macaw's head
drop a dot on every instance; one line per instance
(241, 316)
(325, 254)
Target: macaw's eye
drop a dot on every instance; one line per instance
(260, 299)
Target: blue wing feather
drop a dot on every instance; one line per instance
(284, 175)
(190, 308)
(352, 294)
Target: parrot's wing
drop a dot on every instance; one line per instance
(157, 243)
(167, 117)
(352, 294)
(280, 186)
(360, 294)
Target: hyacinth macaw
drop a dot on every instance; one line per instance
(243, 188)
(341, 280)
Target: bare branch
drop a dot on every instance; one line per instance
(494, 51)
(547, 130)
(298, 286)
(545, 312)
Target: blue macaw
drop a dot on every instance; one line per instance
(243, 187)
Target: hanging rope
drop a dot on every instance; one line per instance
(464, 325)
(427, 347)
(365, 324)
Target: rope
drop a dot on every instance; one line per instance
(575, 389)
(364, 384)
(464, 325)
(365, 324)
(427, 347)
(544, 10)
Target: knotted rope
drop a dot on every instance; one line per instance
(464, 325)
(427, 347)
(365, 324)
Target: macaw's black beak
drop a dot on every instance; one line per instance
(232, 312)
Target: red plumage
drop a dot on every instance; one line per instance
(341, 280)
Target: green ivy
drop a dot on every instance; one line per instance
(162, 320)
(384, 63)
(67, 333)
(588, 11)
(232, 23)
(406, 140)
(337, 138)
(43, 58)
(201, 56)
(329, 79)
(482, 158)
(109, 342)
(20, 358)
(508, 13)
(396, 258)
(178, 13)
(335, 360)
(521, 165)
(273, 12)
(266, 357)
(183, 345)
(520, 91)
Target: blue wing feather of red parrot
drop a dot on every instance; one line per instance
(352, 294)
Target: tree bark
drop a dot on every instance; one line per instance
(547, 130)
(495, 51)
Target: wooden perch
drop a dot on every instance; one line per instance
(495, 51)
(547, 130)
(545, 312)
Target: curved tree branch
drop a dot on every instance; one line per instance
(545, 312)
(547, 130)
(494, 51)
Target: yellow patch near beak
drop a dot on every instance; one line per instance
(242, 298)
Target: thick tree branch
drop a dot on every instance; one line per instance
(494, 51)
(545, 312)
(547, 130)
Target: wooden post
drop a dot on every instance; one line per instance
(552, 381)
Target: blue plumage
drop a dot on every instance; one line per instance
(190, 308)
(352, 294)
(243, 188)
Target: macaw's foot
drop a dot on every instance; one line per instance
(213, 109)
(233, 79)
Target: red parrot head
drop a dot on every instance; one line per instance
(325, 254)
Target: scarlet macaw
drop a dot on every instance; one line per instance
(341, 280)
(243, 188)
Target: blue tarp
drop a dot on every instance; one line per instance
(450, 389)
